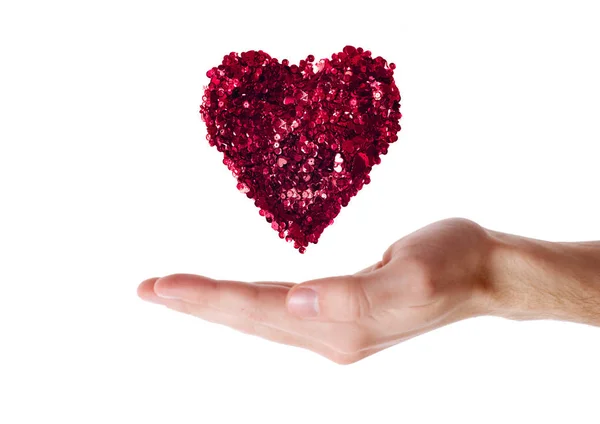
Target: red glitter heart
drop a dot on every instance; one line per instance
(301, 141)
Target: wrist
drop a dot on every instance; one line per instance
(527, 279)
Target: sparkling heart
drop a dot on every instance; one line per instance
(301, 139)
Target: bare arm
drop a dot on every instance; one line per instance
(534, 279)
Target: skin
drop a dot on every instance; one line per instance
(443, 273)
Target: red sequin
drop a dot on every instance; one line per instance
(301, 139)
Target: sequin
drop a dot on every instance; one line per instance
(301, 140)
(243, 188)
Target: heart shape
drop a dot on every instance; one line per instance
(301, 141)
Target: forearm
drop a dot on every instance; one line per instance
(534, 279)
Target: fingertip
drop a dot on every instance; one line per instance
(146, 287)
(145, 290)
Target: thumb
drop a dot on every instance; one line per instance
(341, 299)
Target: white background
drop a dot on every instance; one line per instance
(106, 179)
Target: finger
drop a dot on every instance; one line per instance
(262, 303)
(326, 339)
(146, 291)
(264, 331)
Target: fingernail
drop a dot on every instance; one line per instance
(165, 291)
(304, 302)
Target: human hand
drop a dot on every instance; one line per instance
(425, 280)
